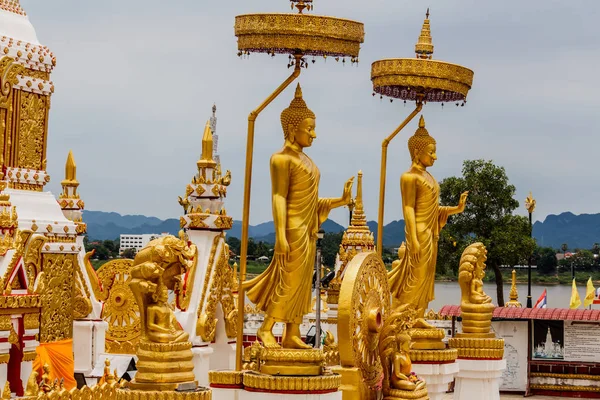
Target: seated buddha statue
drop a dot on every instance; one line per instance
(402, 377)
(161, 324)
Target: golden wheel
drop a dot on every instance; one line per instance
(120, 309)
(363, 304)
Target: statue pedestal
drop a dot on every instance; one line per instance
(249, 395)
(437, 377)
(201, 361)
(479, 379)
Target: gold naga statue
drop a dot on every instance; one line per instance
(283, 290)
(164, 352)
(477, 340)
(413, 274)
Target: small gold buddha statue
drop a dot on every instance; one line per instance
(283, 290)
(46, 384)
(413, 275)
(162, 326)
(402, 377)
(33, 387)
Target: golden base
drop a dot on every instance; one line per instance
(160, 387)
(292, 362)
(198, 394)
(478, 348)
(395, 394)
(433, 356)
(427, 339)
(225, 378)
(166, 364)
(353, 386)
(296, 384)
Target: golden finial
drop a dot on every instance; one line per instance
(530, 203)
(71, 168)
(359, 219)
(301, 5)
(207, 143)
(358, 201)
(514, 295)
(424, 46)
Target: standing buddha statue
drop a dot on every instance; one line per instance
(412, 278)
(283, 290)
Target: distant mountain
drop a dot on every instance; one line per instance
(577, 231)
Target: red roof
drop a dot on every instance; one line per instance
(564, 314)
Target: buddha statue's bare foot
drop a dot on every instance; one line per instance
(267, 339)
(422, 324)
(294, 342)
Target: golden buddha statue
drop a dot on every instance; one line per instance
(412, 276)
(161, 324)
(283, 290)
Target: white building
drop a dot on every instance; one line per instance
(137, 242)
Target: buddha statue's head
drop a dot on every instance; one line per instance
(298, 121)
(422, 146)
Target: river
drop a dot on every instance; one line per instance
(558, 295)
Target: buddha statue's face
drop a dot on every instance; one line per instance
(304, 134)
(427, 156)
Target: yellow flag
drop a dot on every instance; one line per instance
(589, 294)
(575, 300)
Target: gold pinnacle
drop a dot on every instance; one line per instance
(70, 168)
(424, 46)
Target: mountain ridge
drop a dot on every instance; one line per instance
(578, 231)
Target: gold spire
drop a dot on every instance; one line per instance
(359, 219)
(514, 295)
(206, 160)
(71, 168)
(424, 46)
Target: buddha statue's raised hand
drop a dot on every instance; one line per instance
(462, 202)
(347, 195)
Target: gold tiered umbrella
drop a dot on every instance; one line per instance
(420, 79)
(298, 35)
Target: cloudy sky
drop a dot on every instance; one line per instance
(135, 82)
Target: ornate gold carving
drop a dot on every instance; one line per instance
(197, 221)
(568, 388)
(225, 378)
(31, 321)
(224, 222)
(120, 308)
(20, 301)
(32, 260)
(363, 304)
(220, 291)
(29, 356)
(331, 350)
(435, 356)
(252, 357)
(5, 323)
(124, 394)
(427, 339)
(13, 338)
(82, 305)
(293, 33)
(405, 78)
(32, 128)
(57, 298)
(12, 6)
(478, 348)
(254, 380)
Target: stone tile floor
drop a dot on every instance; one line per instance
(450, 396)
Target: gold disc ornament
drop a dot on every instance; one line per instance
(364, 302)
(120, 309)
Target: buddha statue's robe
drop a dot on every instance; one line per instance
(411, 281)
(283, 290)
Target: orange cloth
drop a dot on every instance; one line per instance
(59, 356)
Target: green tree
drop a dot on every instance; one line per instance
(488, 216)
(252, 247)
(234, 244)
(583, 260)
(330, 247)
(128, 253)
(546, 260)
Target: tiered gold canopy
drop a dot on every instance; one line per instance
(298, 35)
(418, 79)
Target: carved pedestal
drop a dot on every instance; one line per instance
(292, 362)
(164, 367)
(437, 377)
(479, 379)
